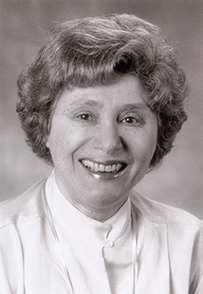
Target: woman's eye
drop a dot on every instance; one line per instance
(130, 120)
(85, 116)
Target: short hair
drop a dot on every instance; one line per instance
(98, 51)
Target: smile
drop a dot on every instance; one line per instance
(98, 170)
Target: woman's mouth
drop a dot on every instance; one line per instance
(104, 171)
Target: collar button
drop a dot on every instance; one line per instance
(109, 244)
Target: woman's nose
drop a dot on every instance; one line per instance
(108, 139)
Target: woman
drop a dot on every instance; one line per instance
(102, 102)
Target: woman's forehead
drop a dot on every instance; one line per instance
(128, 90)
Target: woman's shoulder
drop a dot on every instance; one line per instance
(22, 207)
(161, 213)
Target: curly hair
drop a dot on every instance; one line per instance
(98, 51)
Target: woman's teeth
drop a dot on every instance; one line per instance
(96, 167)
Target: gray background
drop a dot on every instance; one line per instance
(179, 180)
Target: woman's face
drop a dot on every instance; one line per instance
(102, 140)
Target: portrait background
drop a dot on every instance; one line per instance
(24, 24)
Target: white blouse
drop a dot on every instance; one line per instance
(98, 256)
(48, 246)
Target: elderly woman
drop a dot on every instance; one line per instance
(102, 102)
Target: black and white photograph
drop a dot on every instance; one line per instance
(101, 125)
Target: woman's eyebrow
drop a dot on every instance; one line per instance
(134, 106)
(84, 102)
(96, 104)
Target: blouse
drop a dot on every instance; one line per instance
(48, 246)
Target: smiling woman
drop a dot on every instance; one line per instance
(102, 140)
(102, 102)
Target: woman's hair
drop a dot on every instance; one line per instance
(99, 51)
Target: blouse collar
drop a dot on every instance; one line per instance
(82, 226)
